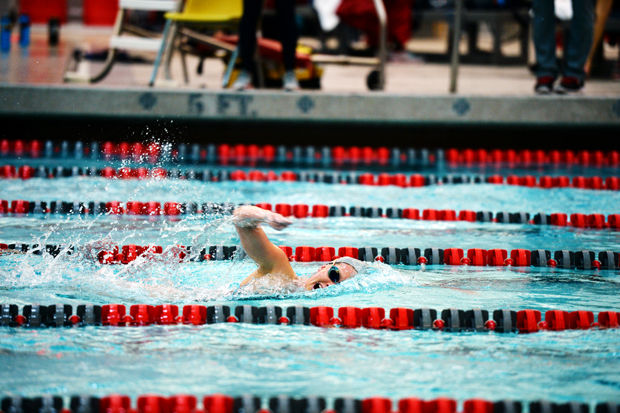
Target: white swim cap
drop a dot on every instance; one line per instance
(356, 264)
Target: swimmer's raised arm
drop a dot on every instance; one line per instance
(270, 259)
(248, 216)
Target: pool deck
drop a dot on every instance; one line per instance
(416, 93)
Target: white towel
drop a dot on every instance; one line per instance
(563, 9)
(326, 10)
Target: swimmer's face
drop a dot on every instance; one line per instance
(321, 279)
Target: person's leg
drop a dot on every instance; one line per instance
(288, 38)
(544, 38)
(399, 31)
(399, 22)
(247, 33)
(288, 31)
(579, 39)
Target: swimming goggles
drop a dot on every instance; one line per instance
(334, 274)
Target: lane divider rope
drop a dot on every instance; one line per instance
(249, 403)
(360, 178)
(475, 257)
(399, 318)
(242, 154)
(21, 207)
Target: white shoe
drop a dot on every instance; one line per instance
(289, 82)
(243, 81)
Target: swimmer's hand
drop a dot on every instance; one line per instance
(278, 222)
(248, 216)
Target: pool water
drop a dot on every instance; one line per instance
(580, 365)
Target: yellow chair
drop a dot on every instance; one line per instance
(209, 11)
(209, 14)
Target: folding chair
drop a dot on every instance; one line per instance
(211, 14)
(376, 78)
(128, 37)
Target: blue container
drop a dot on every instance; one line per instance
(5, 34)
(24, 30)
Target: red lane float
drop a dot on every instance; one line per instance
(325, 254)
(477, 257)
(527, 157)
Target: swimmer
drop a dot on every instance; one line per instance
(272, 260)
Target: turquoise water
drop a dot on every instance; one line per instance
(306, 360)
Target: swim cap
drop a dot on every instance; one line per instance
(356, 264)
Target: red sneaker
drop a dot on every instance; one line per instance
(544, 85)
(569, 84)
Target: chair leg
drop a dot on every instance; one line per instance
(454, 48)
(162, 48)
(169, 49)
(496, 30)
(184, 66)
(230, 67)
(524, 40)
(382, 53)
(260, 72)
(109, 61)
